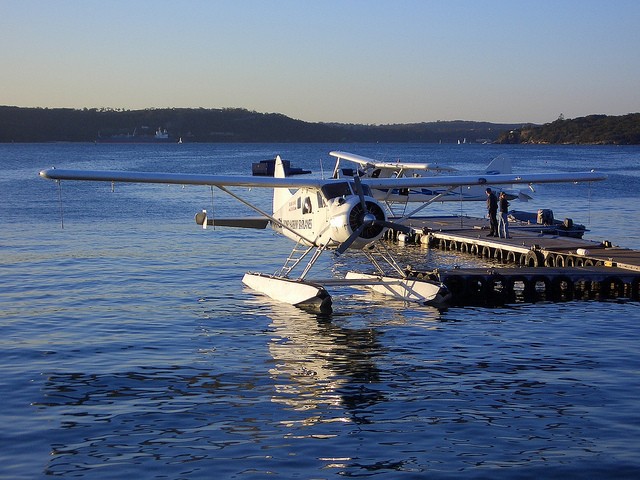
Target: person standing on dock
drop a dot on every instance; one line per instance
(503, 219)
(492, 208)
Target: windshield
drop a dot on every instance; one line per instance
(343, 189)
(337, 189)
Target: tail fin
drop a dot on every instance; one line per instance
(280, 195)
(500, 164)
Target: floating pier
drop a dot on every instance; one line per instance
(537, 263)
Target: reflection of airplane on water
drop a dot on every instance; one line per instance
(317, 363)
(369, 168)
(335, 215)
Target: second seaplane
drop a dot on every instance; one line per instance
(370, 168)
(324, 215)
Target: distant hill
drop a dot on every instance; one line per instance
(19, 124)
(592, 130)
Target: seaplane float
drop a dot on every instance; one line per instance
(319, 215)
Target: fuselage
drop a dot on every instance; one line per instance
(330, 215)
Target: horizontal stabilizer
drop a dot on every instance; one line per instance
(259, 223)
(523, 197)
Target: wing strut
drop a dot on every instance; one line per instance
(427, 203)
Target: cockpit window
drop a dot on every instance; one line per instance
(306, 208)
(343, 189)
(337, 189)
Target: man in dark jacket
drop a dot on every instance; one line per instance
(492, 208)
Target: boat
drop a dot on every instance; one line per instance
(161, 134)
(139, 135)
(265, 168)
(543, 220)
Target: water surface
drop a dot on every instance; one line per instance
(132, 350)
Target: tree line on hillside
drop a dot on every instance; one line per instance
(19, 124)
(592, 130)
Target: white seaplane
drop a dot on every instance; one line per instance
(334, 215)
(370, 168)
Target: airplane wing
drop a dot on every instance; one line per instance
(499, 179)
(290, 182)
(364, 161)
(180, 178)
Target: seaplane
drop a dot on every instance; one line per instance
(371, 168)
(320, 215)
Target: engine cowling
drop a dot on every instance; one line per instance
(359, 216)
(348, 216)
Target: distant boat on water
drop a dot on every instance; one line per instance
(161, 135)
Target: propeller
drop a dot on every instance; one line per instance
(367, 219)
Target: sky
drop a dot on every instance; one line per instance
(346, 61)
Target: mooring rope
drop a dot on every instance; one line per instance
(60, 203)
(213, 212)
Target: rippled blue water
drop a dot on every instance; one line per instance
(130, 348)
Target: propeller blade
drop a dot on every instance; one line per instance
(359, 191)
(352, 238)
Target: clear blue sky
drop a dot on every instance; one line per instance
(351, 61)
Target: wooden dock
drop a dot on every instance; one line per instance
(538, 263)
